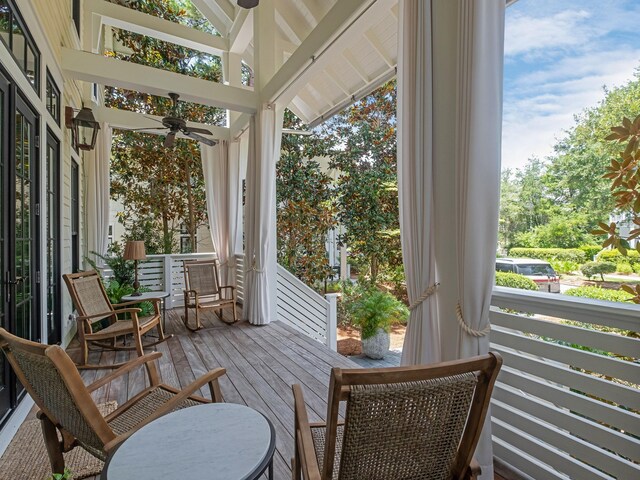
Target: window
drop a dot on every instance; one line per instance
(75, 14)
(18, 40)
(185, 240)
(53, 98)
(53, 239)
(75, 217)
(110, 236)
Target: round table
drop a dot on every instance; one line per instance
(141, 297)
(216, 441)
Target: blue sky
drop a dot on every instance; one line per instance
(558, 56)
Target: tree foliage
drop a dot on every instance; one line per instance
(558, 201)
(366, 188)
(161, 189)
(305, 211)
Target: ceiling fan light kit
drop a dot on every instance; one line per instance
(248, 3)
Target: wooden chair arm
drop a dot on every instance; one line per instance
(228, 286)
(95, 315)
(305, 451)
(209, 377)
(124, 369)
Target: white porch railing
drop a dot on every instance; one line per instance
(562, 408)
(305, 310)
(297, 305)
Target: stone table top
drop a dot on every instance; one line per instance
(216, 441)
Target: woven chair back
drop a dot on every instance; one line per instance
(405, 430)
(45, 383)
(202, 276)
(88, 294)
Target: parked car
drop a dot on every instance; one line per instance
(539, 271)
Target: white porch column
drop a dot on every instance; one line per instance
(97, 192)
(234, 208)
(464, 112)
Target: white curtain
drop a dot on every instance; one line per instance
(477, 161)
(450, 118)
(215, 169)
(265, 134)
(97, 193)
(415, 181)
(235, 212)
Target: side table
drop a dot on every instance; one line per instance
(146, 296)
(216, 441)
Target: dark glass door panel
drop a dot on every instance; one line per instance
(53, 240)
(5, 375)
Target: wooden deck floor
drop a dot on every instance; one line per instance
(262, 363)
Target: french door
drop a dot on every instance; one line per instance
(19, 205)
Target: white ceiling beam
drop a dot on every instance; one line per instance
(89, 67)
(346, 19)
(379, 47)
(150, 26)
(333, 77)
(355, 65)
(290, 19)
(241, 32)
(128, 120)
(286, 30)
(212, 15)
(227, 9)
(239, 126)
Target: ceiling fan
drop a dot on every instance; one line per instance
(248, 3)
(177, 124)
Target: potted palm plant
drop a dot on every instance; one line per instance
(373, 313)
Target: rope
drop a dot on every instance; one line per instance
(426, 294)
(464, 326)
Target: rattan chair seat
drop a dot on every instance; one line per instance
(319, 439)
(122, 327)
(144, 408)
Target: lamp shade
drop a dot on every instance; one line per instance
(85, 129)
(134, 250)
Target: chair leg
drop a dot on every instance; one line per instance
(137, 338)
(235, 314)
(54, 448)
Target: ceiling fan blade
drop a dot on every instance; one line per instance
(200, 138)
(170, 139)
(142, 129)
(197, 130)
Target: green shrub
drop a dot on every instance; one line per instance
(564, 254)
(590, 251)
(515, 280)
(591, 269)
(633, 257)
(564, 266)
(636, 268)
(624, 268)
(376, 309)
(598, 293)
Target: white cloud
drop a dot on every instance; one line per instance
(542, 105)
(526, 33)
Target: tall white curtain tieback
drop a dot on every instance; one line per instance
(464, 326)
(426, 294)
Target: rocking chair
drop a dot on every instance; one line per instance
(93, 305)
(203, 291)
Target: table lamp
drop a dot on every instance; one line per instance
(134, 250)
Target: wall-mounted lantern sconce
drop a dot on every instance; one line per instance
(83, 126)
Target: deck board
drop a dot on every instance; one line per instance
(261, 362)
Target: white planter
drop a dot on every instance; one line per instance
(376, 347)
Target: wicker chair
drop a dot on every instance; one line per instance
(93, 305)
(403, 422)
(203, 291)
(65, 403)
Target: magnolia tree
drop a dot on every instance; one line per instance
(624, 174)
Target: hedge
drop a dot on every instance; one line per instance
(590, 251)
(565, 254)
(598, 293)
(614, 256)
(515, 280)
